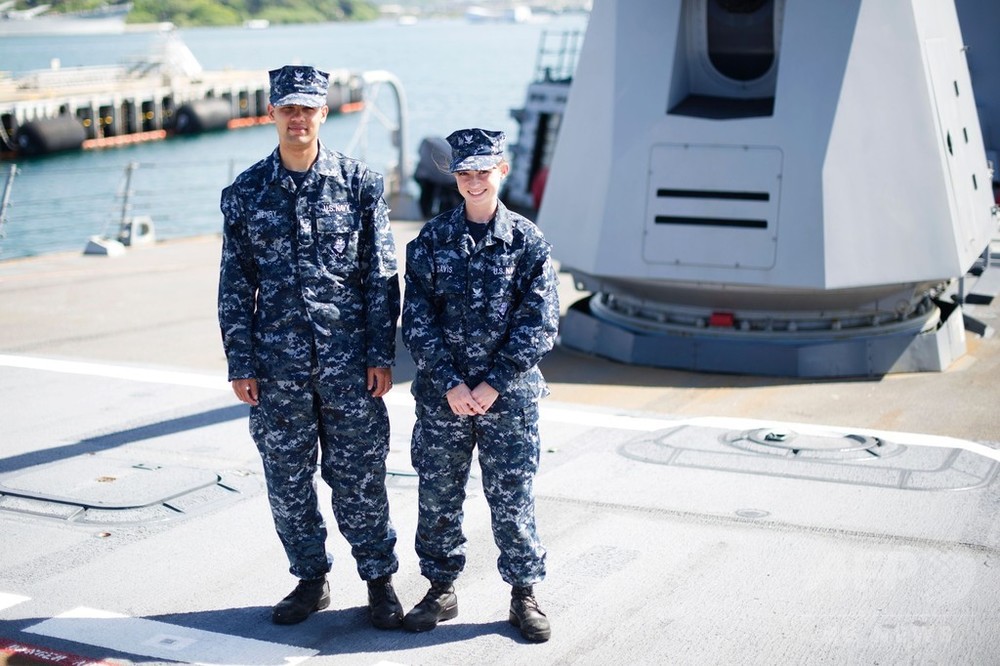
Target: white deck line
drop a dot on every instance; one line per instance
(132, 373)
(8, 600)
(166, 641)
(560, 413)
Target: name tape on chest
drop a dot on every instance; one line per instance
(330, 207)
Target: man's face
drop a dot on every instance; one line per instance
(297, 125)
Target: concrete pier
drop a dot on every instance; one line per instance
(146, 100)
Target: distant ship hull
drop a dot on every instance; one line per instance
(106, 21)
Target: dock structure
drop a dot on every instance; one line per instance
(71, 108)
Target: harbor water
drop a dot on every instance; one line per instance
(453, 73)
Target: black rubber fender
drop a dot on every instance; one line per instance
(43, 136)
(203, 115)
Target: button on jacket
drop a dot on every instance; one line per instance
(308, 276)
(480, 312)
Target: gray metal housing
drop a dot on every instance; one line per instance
(828, 178)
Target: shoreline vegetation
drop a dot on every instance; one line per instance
(262, 13)
(202, 13)
(209, 13)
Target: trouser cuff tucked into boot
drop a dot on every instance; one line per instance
(527, 616)
(307, 597)
(384, 608)
(439, 604)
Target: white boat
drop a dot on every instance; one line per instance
(109, 19)
(540, 118)
(515, 14)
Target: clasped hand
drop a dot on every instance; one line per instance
(465, 402)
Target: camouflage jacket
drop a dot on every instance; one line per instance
(484, 312)
(308, 279)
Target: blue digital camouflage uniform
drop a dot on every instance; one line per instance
(308, 300)
(474, 312)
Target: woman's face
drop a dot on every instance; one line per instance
(481, 187)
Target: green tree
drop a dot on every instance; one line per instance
(185, 13)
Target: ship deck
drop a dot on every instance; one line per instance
(689, 518)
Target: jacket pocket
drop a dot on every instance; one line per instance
(337, 243)
(271, 237)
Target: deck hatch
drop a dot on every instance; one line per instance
(851, 459)
(101, 490)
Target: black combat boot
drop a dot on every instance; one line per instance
(439, 604)
(384, 608)
(308, 596)
(525, 614)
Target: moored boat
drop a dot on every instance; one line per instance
(108, 19)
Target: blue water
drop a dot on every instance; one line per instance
(454, 74)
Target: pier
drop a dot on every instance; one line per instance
(73, 108)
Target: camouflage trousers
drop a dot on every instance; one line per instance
(441, 453)
(352, 432)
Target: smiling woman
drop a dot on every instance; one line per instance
(480, 189)
(481, 310)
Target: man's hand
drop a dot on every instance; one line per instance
(379, 381)
(246, 390)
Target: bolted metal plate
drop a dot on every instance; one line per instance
(96, 489)
(106, 483)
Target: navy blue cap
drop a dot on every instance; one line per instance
(476, 149)
(299, 85)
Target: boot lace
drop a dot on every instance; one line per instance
(525, 598)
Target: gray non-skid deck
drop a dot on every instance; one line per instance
(689, 518)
